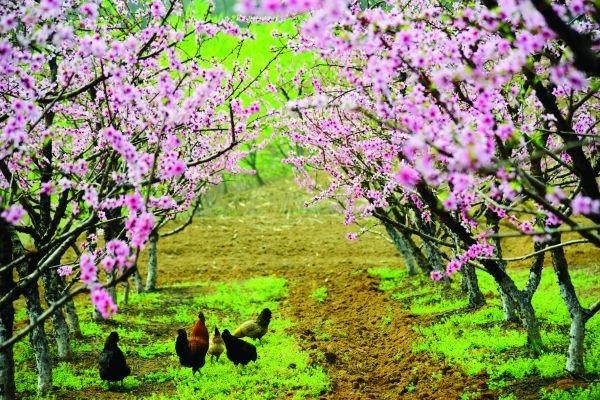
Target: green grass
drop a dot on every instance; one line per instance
(147, 328)
(590, 393)
(319, 294)
(481, 341)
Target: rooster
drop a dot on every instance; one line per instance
(217, 347)
(238, 351)
(192, 351)
(255, 329)
(113, 366)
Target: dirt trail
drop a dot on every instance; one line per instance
(361, 336)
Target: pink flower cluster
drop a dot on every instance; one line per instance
(583, 205)
(103, 301)
(13, 214)
(475, 251)
(284, 7)
(117, 255)
(139, 228)
(87, 266)
(65, 270)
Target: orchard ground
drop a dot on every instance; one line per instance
(348, 323)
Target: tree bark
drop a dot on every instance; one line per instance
(152, 262)
(402, 247)
(529, 321)
(7, 317)
(508, 305)
(476, 298)
(137, 279)
(73, 319)
(52, 292)
(37, 337)
(577, 313)
(418, 255)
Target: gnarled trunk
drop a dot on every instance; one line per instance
(418, 255)
(52, 293)
(579, 315)
(476, 298)
(37, 337)
(402, 247)
(7, 317)
(508, 305)
(137, 279)
(73, 319)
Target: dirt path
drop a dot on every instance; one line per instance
(360, 335)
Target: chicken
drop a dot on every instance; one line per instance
(113, 366)
(217, 347)
(192, 351)
(255, 329)
(238, 351)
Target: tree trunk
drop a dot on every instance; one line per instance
(52, 290)
(476, 298)
(508, 305)
(37, 337)
(576, 336)
(577, 313)
(73, 319)
(530, 323)
(7, 362)
(433, 256)
(418, 255)
(7, 317)
(259, 178)
(402, 247)
(152, 262)
(137, 279)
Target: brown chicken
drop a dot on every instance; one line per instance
(255, 329)
(192, 351)
(217, 346)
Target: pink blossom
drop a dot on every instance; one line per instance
(453, 266)
(89, 10)
(13, 214)
(65, 270)
(47, 188)
(583, 205)
(103, 301)
(436, 275)
(407, 176)
(352, 236)
(134, 202)
(87, 265)
(139, 228)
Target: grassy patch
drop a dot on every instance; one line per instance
(319, 294)
(592, 392)
(147, 328)
(481, 340)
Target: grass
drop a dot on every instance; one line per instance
(147, 327)
(481, 341)
(319, 294)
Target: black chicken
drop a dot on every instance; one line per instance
(238, 351)
(113, 366)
